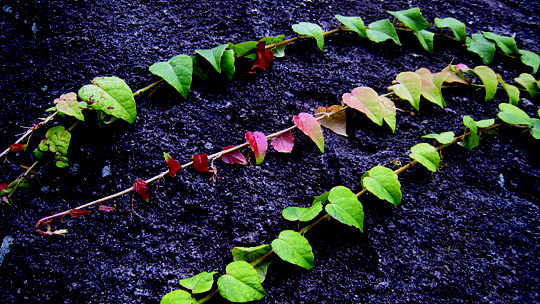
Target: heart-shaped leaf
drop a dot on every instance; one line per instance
(444, 138)
(112, 96)
(309, 125)
(506, 44)
(409, 87)
(234, 157)
(259, 144)
(512, 91)
(384, 183)
(263, 58)
(178, 72)
(174, 165)
(531, 59)
(354, 24)
(481, 46)
(178, 297)
(294, 248)
(455, 25)
(199, 283)
(310, 30)
(250, 254)
(427, 155)
(529, 83)
(489, 78)
(345, 207)
(213, 56)
(382, 30)
(302, 214)
(430, 89)
(426, 39)
(377, 108)
(141, 187)
(241, 283)
(411, 18)
(68, 104)
(513, 115)
(200, 162)
(336, 122)
(283, 143)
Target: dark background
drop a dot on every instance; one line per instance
(467, 234)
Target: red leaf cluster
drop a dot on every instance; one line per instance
(234, 157)
(174, 165)
(263, 59)
(141, 187)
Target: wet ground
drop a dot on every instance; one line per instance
(467, 234)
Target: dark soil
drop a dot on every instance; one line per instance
(467, 234)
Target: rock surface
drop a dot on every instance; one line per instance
(467, 234)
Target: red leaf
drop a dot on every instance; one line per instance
(234, 157)
(106, 208)
(77, 212)
(3, 186)
(174, 166)
(17, 147)
(309, 125)
(336, 122)
(263, 59)
(259, 144)
(200, 162)
(283, 143)
(141, 187)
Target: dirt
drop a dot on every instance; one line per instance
(466, 234)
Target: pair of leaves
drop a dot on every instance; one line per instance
(443, 138)
(111, 96)
(377, 108)
(515, 116)
(413, 19)
(473, 138)
(305, 214)
(252, 254)
(529, 83)
(57, 141)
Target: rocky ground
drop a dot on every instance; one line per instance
(467, 234)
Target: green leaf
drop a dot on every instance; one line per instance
(272, 40)
(531, 59)
(200, 67)
(354, 24)
(384, 183)
(244, 47)
(535, 130)
(455, 25)
(250, 254)
(513, 115)
(241, 283)
(529, 83)
(485, 123)
(481, 46)
(444, 138)
(213, 56)
(302, 214)
(377, 108)
(430, 90)
(427, 155)
(411, 18)
(472, 140)
(56, 141)
(426, 39)
(409, 87)
(512, 91)
(506, 44)
(67, 104)
(178, 72)
(310, 30)
(112, 96)
(279, 51)
(382, 30)
(489, 78)
(178, 297)
(199, 283)
(470, 123)
(323, 197)
(292, 247)
(345, 207)
(227, 64)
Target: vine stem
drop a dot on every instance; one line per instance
(46, 220)
(30, 131)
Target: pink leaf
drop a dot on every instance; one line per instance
(77, 212)
(141, 187)
(17, 147)
(234, 157)
(106, 208)
(283, 143)
(309, 125)
(174, 166)
(259, 144)
(336, 122)
(263, 59)
(200, 162)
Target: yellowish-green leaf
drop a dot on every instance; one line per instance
(529, 83)
(377, 108)
(178, 297)
(345, 207)
(531, 59)
(67, 104)
(382, 30)
(241, 283)
(354, 24)
(384, 183)
(512, 91)
(409, 87)
(455, 25)
(250, 254)
(489, 78)
(430, 90)
(310, 30)
(199, 283)
(443, 138)
(412, 18)
(294, 248)
(178, 72)
(427, 155)
(513, 115)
